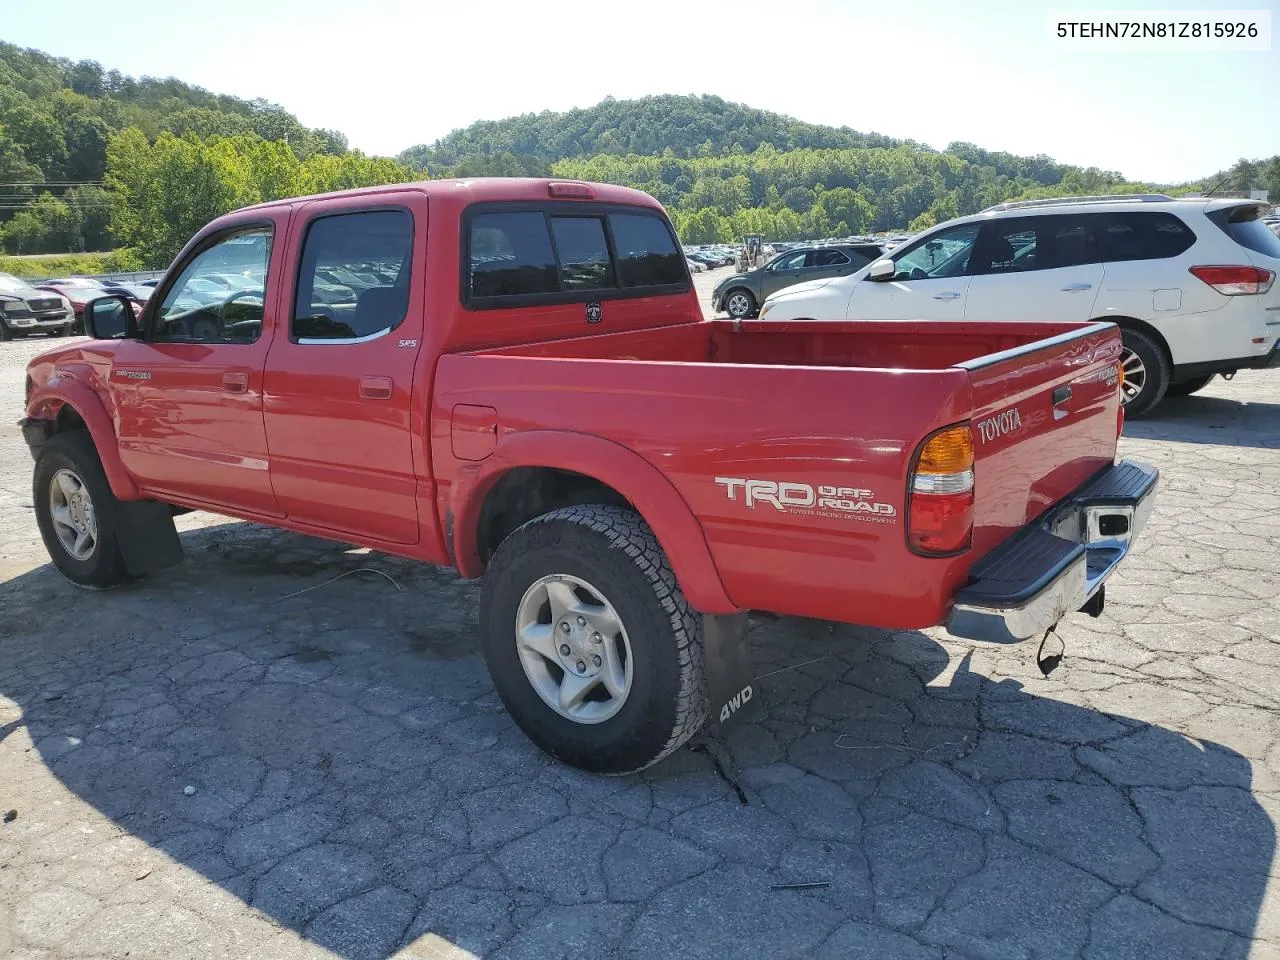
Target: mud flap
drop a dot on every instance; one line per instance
(730, 676)
(148, 539)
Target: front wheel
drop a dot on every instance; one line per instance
(592, 647)
(1146, 373)
(740, 304)
(75, 512)
(1185, 388)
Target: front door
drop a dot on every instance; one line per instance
(1043, 267)
(930, 280)
(785, 271)
(188, 392)
(340, 426)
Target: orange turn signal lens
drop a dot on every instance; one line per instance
(948, 451)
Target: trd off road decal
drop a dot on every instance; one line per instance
(801, 499)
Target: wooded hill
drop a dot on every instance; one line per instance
(91, 159)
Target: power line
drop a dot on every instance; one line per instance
(53, 183)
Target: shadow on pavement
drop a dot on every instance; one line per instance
(357, 781)
(1213, 420)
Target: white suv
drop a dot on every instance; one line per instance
(1191, 282)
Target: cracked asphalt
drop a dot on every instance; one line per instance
(359, 792)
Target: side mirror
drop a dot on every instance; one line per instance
(881, 270)
(110, 318)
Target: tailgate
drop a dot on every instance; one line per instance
(1045, 419)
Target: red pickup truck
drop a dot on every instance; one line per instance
(515, 378)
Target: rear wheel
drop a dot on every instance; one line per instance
(592, 647)
(1146, 373)
(1184, 388)
(74, 510)
(740, 304)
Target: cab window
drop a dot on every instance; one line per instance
(353, 283)
(943, 254)
(220, 295)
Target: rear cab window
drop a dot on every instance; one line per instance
(564, 252)
(1243, 225)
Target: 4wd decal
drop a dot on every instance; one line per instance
(1006, 421)
(825, 500)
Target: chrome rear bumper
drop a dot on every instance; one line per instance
(1056, 567)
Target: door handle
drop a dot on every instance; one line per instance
(948, 295)
(235, 382)
(1074, 287)
(375, 388)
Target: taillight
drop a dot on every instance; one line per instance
(940, 505)
(1235, 281)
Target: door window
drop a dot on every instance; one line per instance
(943, 254)
(353, 283)
(792, 262)
(1049, 242)
(220, 295)
(826, 258)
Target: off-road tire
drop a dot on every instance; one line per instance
(613, 549)
(1185, 388)
(74, 450)
(1158, 373)
(740, 314)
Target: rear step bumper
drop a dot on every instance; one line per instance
(1029, 583)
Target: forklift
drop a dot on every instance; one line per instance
(752, 252)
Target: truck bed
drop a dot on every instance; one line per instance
(833, 404)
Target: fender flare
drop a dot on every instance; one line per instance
(644, 486)
(47, 401)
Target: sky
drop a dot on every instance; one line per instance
(394, 73)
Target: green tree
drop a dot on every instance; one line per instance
(164, 192)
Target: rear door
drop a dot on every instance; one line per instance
(1043, 267)
(1045, 419)
(930, 282)
(340, 373)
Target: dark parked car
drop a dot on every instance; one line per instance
(26, 309)
(741, 294)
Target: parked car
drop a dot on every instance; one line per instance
(740, 295)
(78, 291)
(697, 266)
(138, 294)
(491, 424)
(25, 309)
(1189, 281)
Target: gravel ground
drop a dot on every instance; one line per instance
(357, 790)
